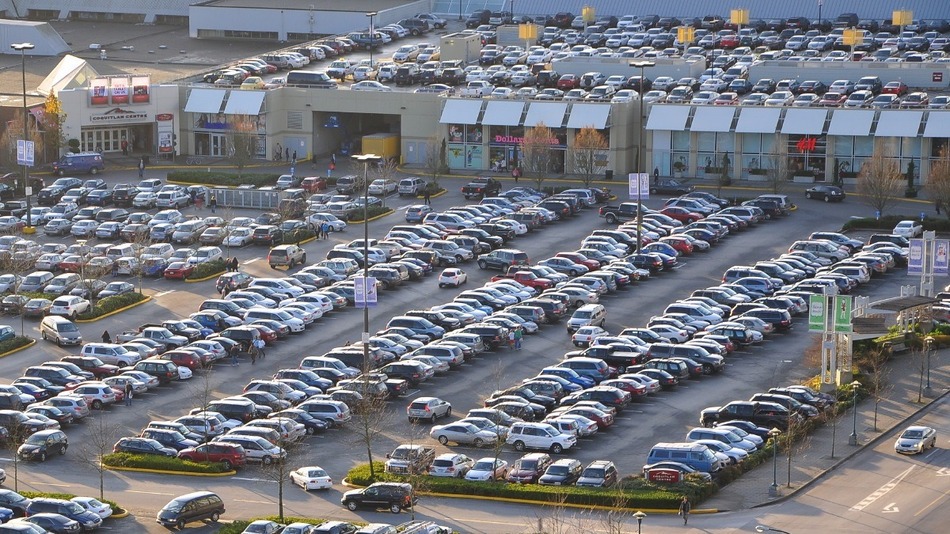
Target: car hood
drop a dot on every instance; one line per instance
(901, 442)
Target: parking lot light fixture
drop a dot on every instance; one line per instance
(22, 48)
(773, 489)
(642, 65)
(372, 36)
(639, 515)
(853, 438)
(365, 159)
(929, 340)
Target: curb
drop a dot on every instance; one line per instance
(125, 513)
(204, 279)
(375, 217)
(437, 195)
(165, 472)
(885, 434)
(113, 312)
(702, 511)
(18, 349)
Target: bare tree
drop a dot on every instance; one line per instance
(370, 417)
(242, 141)
(938, 182)
(96, 446)
(875, 368)
(279, 471)
(795, 440)
(19, 266)
(13, 132)
(589, 155)
(536, 152)
(16, 435)
(776, 172)
(436, 160)
(386, 170)
(880, 180)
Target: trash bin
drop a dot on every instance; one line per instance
(608, 174)
(145, 158)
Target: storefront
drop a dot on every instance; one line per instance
(215, 116)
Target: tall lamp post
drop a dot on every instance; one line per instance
(642, 65)
(929, 340)
(22, 48)
(853, 438)
(365, 159)
(773, 489)
(372, 36)
(639, 515)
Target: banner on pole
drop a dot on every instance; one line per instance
(842, 314)
(364, 292)
(941, 262)
(816, 313)
(641, 180)
(915, 258)
(25, 152)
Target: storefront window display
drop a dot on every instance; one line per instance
(758, 155)
(464, 150)
(806, 156)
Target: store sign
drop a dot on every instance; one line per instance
(512, 140)
(120, 90)
(118, 115)
(99, 92)
(166, 132)
(668, 476)
(141, 86)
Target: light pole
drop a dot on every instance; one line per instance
(639, 515)
(372, 36)
(22, 48)
(642, 65)
(773, 489)
(930, 347)
(820, 4)
(765, 528)
(853, 438)
(365, 159)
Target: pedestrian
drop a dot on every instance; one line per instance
(199, 202)
(115, 269)
(234, 354)
(295, 157)
(325, 230)
(685, 506)
(125, 147)
(333, 158)
(227, 290)
(128, 393)
(518, 336)
(234, 264)
(511, 339)
(106, 338)
(516, 173)
(938, 205)
(656, 175)
(426, 196)
(259, 345)
(213, 203)
(253, 352)
(141, 167)
(286, 153)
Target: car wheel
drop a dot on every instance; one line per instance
(448, 413)
(395, 508)
(42, 456)
(573, 272)
(180, 524)
(97, 404)
(478, 442)
(807, 194)
(303, 260)
(482, 264)
(94, 171)
(519, 446)
(227, 465)
(214, 517)
(557, 448)
(267, 460)
(707, 369)
(827, 199)
(351, 506)
(443, 440)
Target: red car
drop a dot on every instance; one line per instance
(180, 357)
(634, 388)
(179, 270)
(225, 453)
(71, 264)
(576, 257)
(313, 184)
(895, 88)
(729, 41)
(568, 82)
(682, 215)
(681, 244)
(832, 100)
(267, 334)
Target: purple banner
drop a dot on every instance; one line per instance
(941, 263)
(915, 260)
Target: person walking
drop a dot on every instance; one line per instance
(286, 153)
(141, 167)
(511, 339)
(295, 157)
(518, 336)
(325, 230)
(253, 352)
(213, 203)
(234, 352)
(125, 147)
(199, 202)
(259, 345)
(426, 196)
(106, 338)
(128, 393)
(685, 507)
(234, 264)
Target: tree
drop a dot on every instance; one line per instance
(795, 440)
(279, 471)
(880, 180)
(435, 160)
(370, 417)
(938, 181)
(876, 373)
(96, 446)
(51, 126)
(386, 170)
(14, 132)
(19, 265)
(242, 141)
(15, 435)
(536, 152)
(776, 172)
(589, 156)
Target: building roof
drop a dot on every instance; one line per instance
(71, 72)
(45, 39)
(307, 5)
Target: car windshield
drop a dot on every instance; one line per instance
(910, 434)
(483, 466)
(36, 439)
(557, 470)
(74, 508)
(594, 472)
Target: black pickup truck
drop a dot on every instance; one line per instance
(481, 188)
(17, 208)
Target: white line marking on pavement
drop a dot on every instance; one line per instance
(250, 261)
(891, 509)
(148, 492)
(880, 492)
(252, 480)
(163, 293)
(255, 502)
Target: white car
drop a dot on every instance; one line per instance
(69, 306)
(238, 237)
(382, 186)
(336, 224)
(916, 439)
(908, 229)
(311, 478)
(93, 505)
(370, 85)
(452, 277)
(587, 334)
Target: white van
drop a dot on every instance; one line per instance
(60, 330)
(587, 315)
(120, 251)
(411, 187)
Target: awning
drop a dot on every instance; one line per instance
(938, 124)
(550, 113)
(713, 119)
(244, 103)
(667, 117)
(804, 121)
(205, 100)
(503, 113)
(584, 115)
(758, 120)
(898, 123)
(458, 111)
(856, 122)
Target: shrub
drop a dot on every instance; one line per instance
(206, 269)
(116, 509)
(238, 526)
(164, 463)
(110, 304)
(372, 211)
(15, 343)
(298, 235)
(221, 178)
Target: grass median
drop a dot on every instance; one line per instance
(161, 463)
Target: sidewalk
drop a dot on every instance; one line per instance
(814, 460)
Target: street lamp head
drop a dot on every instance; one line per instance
(22, 46)
(639, 515)
(372, 14)
(642, 64)
(855, 385)
(774, 432)
(366, 158)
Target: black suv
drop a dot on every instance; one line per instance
(407, 74)
(86, 519)
(477, 18)
(391, 495)
(267, 235)
(764, 414)
(502, 258)
(42, 444)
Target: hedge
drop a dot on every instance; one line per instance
(110, 304)
(15, 343)
(888, 222)
(648, 497)
(224, 179)
(238, 526)
(298, 235)
(116, 509)
(373, 211)
(154, 461)
(208, 268)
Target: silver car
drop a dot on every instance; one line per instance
(463, 434)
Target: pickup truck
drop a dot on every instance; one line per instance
(526, 278)
(408, 459)
(155, 333)
(477, 89)
(16, 208)
(626, 211)
(481, 188)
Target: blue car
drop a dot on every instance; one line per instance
(7, 332)
(569, 374)
(6, 514)
(662, 248)
(154, 267)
